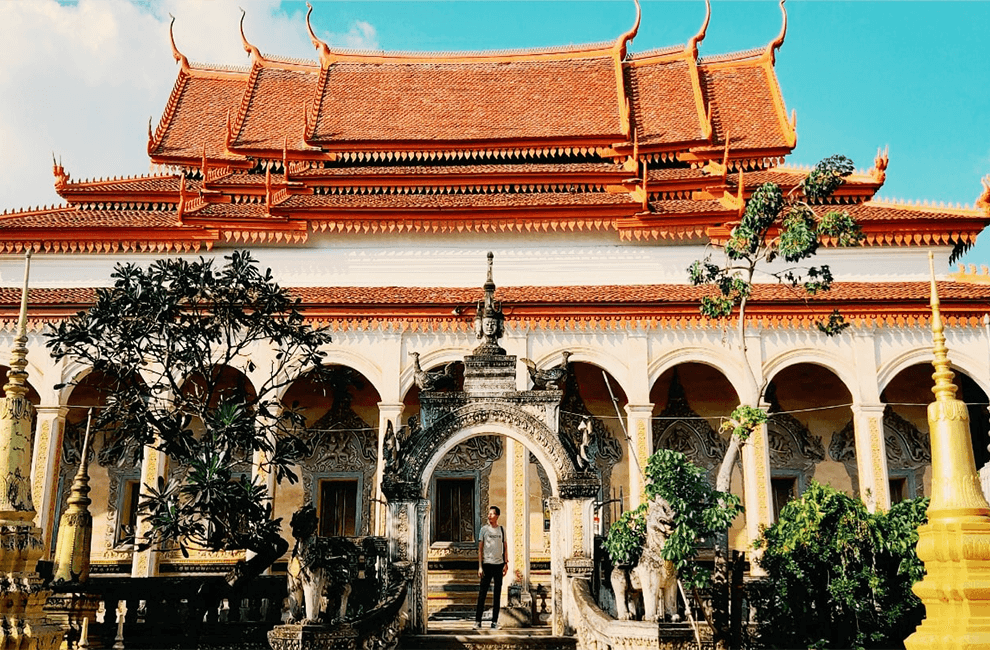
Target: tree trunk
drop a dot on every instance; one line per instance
(720, 621)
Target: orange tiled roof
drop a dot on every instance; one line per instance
(196, 116)
(664, 106)
(388, 103)
(271, 116)
(903, 303)
(743, 108)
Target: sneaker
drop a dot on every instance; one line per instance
(477, 625)
(494, 626)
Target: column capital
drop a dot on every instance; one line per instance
(59, 410)
(868, 409)
(391, 408)
(639, 409)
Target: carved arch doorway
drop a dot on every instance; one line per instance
(570, 503)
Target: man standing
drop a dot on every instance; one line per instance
(492, 565)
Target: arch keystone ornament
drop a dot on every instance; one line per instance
(489, 404)
(955, 543)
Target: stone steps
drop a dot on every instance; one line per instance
(489, 640)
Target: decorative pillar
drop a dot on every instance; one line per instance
(871, 456)
(955, 543)
(44, 467)
(639, 448)
(145, 563)
(388, 413)
(23, 625)
(75, 530)
(517, 504)
(757, 498)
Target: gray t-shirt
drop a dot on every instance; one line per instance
(492, 549)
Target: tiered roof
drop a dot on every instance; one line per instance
(659, 145)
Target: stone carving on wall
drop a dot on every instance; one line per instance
(598, 450)
(680, 428)
(340, 441)
(908, 451)
(791, 444)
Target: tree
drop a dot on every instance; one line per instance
(168, 336)
(699, 511)
(839, 576)
(773, 227)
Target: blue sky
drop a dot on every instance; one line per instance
(81, 79)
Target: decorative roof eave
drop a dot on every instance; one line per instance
(757, 157)
(235, 161)
(123, 240)
(465, 214)
(889, 233)
(601, 144)
(466, 181)
(102, 191)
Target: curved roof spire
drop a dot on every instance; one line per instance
(777, 42)
(250, 49)
(179, 57)
(700, 36)
(321, 46)
(624, 40)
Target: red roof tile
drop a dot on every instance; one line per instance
(742, 106)
(416, 102)
(71, 218)
(197, 115)
(275, 110)
(664, 105)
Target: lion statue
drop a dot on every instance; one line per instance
(653, 577)
(317, 570)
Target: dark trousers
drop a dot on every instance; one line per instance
(490, 573)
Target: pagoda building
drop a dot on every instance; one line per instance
(373, 183)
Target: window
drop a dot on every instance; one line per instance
(338, 508)
(898, 488)
(784, 488)
(455, 514)
(127, 511)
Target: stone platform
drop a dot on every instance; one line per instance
(462, 636)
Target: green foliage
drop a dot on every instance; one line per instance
(626, 536)
(744, 420)
(774, 225)
(838, 576)
(699, 511)
(167, 336)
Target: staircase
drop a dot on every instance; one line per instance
(460, 635)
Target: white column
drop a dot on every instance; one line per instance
(388, 412)
(871, 456)
(757, 498)
(517, 498)
(44, 468)
(639, 448)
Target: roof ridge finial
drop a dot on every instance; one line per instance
(777, 42)
(179, 57)
(700, 36)
(250, 49)
(61, 177)
(983, 200)
(944, 389)
(321, 46)
(625, 39)
(489, 320)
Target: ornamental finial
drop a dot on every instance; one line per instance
(777, 42)
(879, 171)
(945, 389)
(321, 46)
(700, 36)
(489, 319)
(250, 49)
(75, 530)
(17, 377)
(179, 57)
(983, 201)
(626, 38)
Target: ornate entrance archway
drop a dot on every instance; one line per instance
(489, 404)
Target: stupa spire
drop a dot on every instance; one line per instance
(75, 530)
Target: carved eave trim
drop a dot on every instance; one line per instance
(120, 243)
(454, 182)
(603, 145)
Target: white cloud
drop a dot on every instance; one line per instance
(81, 80)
